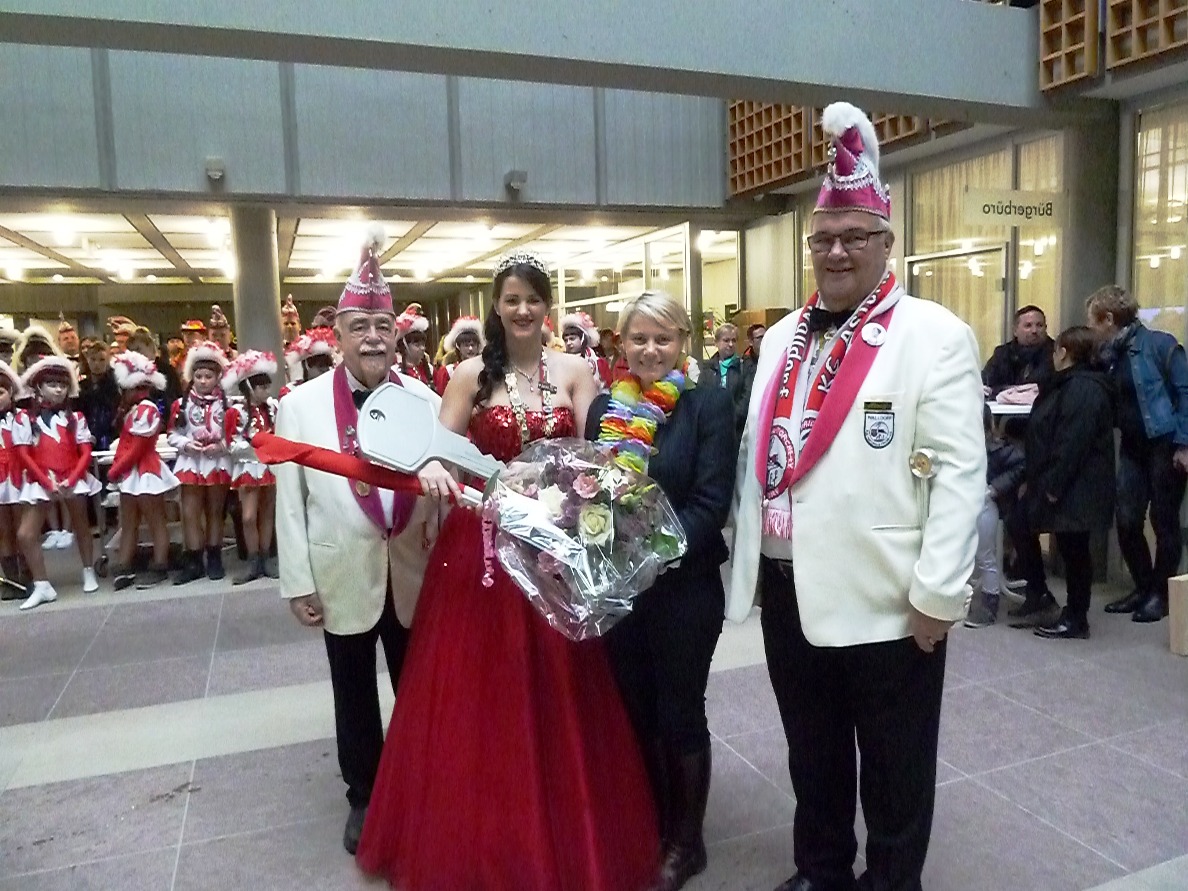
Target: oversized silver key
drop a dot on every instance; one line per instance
(398, 428)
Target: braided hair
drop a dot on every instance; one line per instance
(495, 352)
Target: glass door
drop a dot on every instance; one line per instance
(972, 284)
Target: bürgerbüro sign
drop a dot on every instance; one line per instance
(990, 207)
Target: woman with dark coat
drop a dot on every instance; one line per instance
(1070, 469)
(661, 652)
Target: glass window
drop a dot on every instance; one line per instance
(1041, 170)
(1160, 277)
(719, 281)
(937, 204)
(808, 281)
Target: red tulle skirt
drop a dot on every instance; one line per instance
(510, 764)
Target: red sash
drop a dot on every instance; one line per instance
(346, 416)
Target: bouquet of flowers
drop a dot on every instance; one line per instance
(580, 534)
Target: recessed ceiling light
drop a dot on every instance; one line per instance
(13, 273)
(58, 277)
(150, 278)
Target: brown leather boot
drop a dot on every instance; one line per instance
(685, 857)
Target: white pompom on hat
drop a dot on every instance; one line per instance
(132, 370)
(465, 323)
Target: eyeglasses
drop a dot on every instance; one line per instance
(851, 240)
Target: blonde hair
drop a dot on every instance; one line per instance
(724, 330)
(1115, 300)
(658, 306)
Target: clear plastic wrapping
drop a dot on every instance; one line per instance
(581, 536)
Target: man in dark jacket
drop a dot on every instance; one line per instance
(1024, 359)
(724, 369)
(1150, 375)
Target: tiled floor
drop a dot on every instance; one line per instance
(182, 739)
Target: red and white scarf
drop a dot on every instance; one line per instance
(786, 443)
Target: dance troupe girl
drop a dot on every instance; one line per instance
(142, 477)
(198, 430)
(247, 381)
(53, 445)
(464, 341)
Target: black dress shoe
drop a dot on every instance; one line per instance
(1127, 604)
(801, 883)
(1152, 609)
(354, 828)
(1065, 627)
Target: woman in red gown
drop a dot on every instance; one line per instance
(510, 764)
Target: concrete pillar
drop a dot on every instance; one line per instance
(1089, 255)
(693, 290)
(256, 292)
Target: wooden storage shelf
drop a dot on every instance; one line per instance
(767, 145)
(1141, 29)
(1068, 41)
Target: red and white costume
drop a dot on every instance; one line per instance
(584, 325)
(11, 475)
(441, 377)
(314, 342)
(53, 443)
(137, 467)
(243, 420)
(408, 322)
(197, 421)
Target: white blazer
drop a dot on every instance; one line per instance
(869, 538)
(326, 544)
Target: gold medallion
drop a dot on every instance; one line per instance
(362, 488)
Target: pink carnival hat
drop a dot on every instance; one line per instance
(464, 323)
(52, 365)
(411, 320)
(366, 289)
(205, 351)
(852, 180)
(582, 322)
(134, 370)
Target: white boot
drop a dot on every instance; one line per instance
(65, 540)
(90, 582)
(43, 592)
(50, 542)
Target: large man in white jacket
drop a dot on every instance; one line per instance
(861, 475)
(351, 555)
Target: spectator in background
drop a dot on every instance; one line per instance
(1070, 469)
(8, 341)
(99, 395)
(175, 349)
(750, 360)
(142, 341)
(1024, 359)
(724, 369)
(1150, 375)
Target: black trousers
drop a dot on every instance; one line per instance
(887, 698)
(1078, 570)
(358, 724)
(1029, 556)
(1148, 479)
(661, 654)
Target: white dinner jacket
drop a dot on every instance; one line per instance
(326, 543)
(868, 537)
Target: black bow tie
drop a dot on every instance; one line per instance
(360, 396)
(822, 319)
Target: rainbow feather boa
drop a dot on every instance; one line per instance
(634, 415)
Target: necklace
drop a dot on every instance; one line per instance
(634, 416)
(517, 404)
(529, 379)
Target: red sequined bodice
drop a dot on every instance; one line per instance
(494, 429)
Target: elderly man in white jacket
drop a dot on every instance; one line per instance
(861, 475)
(352, 556)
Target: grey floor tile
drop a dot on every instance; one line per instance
(261, 668)
(1169, 876)
(24, 700)
(767, 751)
(145, 632)
(1086, 697)
(740, 701)
(150, 871)
(1157, 675)
(742, 801)
(257, 618)
(110, 688)
(981, 842)
(1129, 811)
(946, 773)
(756, 862)
(253, 791)
(982, 730)
(61, 824)
(984, 654)
(47, 642)
(1164, 745)
(308, 855)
